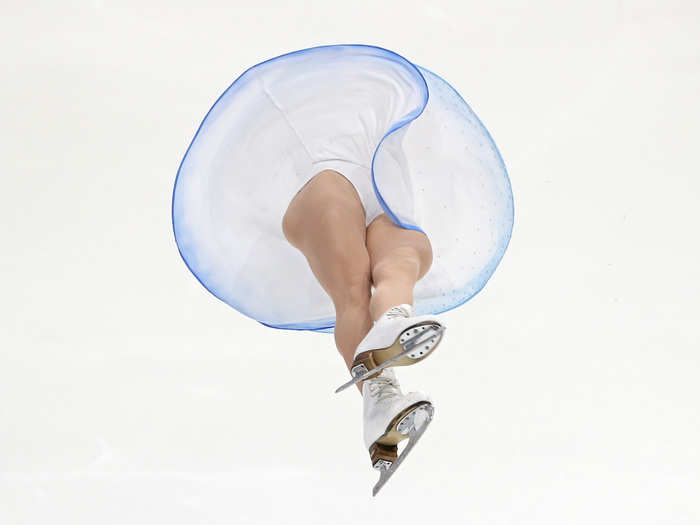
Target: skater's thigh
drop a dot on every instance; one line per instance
(389, 245)
(326, 222)
(326, 202)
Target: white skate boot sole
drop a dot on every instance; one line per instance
(409, 424)
(413, 344)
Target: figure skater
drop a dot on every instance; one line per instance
(326, 220)
(344, 189)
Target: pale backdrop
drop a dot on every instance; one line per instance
(566, 391)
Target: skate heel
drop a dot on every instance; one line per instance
(410, 424)
(382, 456)
(383, 451)
(414, 420)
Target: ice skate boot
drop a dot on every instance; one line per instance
(389, 418)
(398, 338)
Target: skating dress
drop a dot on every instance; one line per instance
(399, 133)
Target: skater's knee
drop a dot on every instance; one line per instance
(291, 225)
(334, 217)
(396, 251)
(407, 262)
(425, 256)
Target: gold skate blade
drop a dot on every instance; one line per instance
(397, 354)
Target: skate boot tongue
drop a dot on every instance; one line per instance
(402, 310)
(385, 386)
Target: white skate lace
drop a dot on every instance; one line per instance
(397, 311)
(383, 388)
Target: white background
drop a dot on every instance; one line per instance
(566, 391)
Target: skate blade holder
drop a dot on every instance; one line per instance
(424, 336)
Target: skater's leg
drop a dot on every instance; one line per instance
(326, 222)
(398, 259)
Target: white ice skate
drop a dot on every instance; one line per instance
(390, 417)
(398, 338)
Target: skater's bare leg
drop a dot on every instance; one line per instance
(398, 259)
(326, 222)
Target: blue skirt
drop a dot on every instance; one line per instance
(402, 135)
